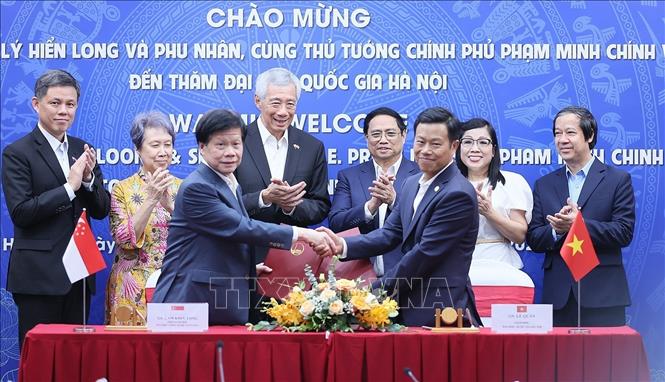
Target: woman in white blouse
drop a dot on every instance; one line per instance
(504, 198)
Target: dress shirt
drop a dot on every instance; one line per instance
(276, 151)
(575, 184)
(383, 208)
(61, 149)
(424, 185)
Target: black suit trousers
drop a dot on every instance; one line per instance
(44, 309)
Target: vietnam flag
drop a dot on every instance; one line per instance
(82, 257)
(577, 250)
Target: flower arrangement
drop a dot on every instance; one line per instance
(331, 305)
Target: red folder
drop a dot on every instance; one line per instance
(288, 268)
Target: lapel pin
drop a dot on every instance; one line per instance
(295, 146)
(436, 189)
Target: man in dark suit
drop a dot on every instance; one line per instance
(605, 196)
(48, 178)
(210, 253)
(435, 223)
(284, 175)
(366, 194)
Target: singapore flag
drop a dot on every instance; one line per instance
(82, 257)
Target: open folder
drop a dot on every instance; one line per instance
(288, 268)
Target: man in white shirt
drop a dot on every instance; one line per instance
(284, 174)
(48, 178)
(366, 193)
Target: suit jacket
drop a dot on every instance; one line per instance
(305, 161)
(608, 204)
(209, 256)
(351, 194)
(437, 244)
(44, 218)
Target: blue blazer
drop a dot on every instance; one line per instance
(209, 257)
(608, 204)
(437, 244)
(351, 194)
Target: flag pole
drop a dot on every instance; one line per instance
(579, 304)
(85, 328)
(579, 329)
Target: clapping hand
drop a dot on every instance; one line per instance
(282, 194)
(157, 187)
(484, 201)
(91, 161)
(563, 220)
(382, 189)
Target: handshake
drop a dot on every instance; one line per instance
(322, 240)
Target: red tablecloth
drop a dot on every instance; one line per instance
(54, 352)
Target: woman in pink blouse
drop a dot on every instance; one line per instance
(141, 208)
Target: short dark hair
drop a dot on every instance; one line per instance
(217, 120)
(587, 122)
(54, 78)
(438, 114)
(494, 171)
(384, 111)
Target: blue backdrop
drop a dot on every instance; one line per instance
(421, 54)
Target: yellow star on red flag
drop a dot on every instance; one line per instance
(578, 242)
(576, 245)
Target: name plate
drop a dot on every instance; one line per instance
(521, 318)
(178, 317)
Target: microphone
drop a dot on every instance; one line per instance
(409, 373)
(220, 363)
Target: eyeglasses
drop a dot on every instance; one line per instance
(483, 143)
(391, 135)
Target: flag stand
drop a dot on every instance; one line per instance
(579, 329)
(85, 328)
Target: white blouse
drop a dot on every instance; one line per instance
(515, 194)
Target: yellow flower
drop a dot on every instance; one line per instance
(284, 314)
(359, 302)
(345, 285)
(295, 298)
(336, 307)
(378, 316)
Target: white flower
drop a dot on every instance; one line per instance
(336, 307)
(306, 308)
(370, 299)
(328, 294)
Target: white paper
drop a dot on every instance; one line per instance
(178, 317)
(521, 318)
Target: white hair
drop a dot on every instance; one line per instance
(277, 77)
